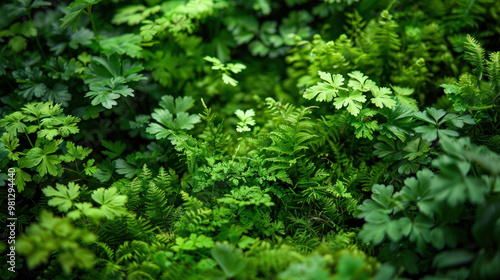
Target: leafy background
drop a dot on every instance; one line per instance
(215, 139)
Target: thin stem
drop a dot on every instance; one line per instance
(36, 37)
(130, 107)
(495, 98)
(492, 190)
(25, 133)
(89, 11)
(71, 170)
(390, 5)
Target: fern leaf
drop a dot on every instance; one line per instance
(474, 54)
(493, 71)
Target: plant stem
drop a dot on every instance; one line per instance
(36, 37)
(495, 98)
(492, 190)
(29, 140)
(130, 107)
(69, 169)
(89, 11)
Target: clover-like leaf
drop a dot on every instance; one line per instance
(166, 123)
(128, 44)
(325, 91)
(381, 200)
(13, 123)
(419, 191)
(403, 95)
(229, 258)
(112, 203)
(246, 120)
(62, 197)
(381, 97)
(352, 100)
(75, 152)
(106, 92)
(360, 82)
(44, 159)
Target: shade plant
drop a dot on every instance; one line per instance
(217, 139)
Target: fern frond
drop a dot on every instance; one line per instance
(303, 242)
(493, 71)
(147, 270)
(156, 206)
(373, 174)
(110, 254)
(313, 194)
(116, 232)
(133, 192)
(141, 228)
(113, 271)
(494, 143)
(269, 261)
(190, 203)
(474, 54)
(163, 179)
(162, 241)
(146, 173)
(135, 250)
(177, 271)
(113, 232)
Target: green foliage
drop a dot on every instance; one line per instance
(325, 91)
(353, 97)
(225, 69)
(66, 197)
(228, 258)
(108, 78)
(436, 118)
(56, 234)
(246, 120)
(63, 196)
(473, 92)
(111, 202)
(167, 126)
(46, 123)
(360, 142)
(426, 213)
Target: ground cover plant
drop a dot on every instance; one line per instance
(256, 139)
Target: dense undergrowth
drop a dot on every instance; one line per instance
(235, 139)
